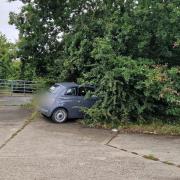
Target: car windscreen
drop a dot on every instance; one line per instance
(53, 89)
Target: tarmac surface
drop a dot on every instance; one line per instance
(42, 150)
(14, 100)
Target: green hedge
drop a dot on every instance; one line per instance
(131, 90)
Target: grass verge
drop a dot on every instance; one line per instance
(152, 128)
(157, 127)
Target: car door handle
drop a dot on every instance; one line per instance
(79, 101)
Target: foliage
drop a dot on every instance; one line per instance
(15, 69)
(130, 89)
(153, 128)
(134, 92)
(56, 37)
(8, 67)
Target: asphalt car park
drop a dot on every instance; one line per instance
(41, 150)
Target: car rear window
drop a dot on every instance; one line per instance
(53, 89)
(71, 92)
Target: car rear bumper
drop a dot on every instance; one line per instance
(44, 111)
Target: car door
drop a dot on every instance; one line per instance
(71, 102)
(84, 101)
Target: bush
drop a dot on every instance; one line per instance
(135, 90)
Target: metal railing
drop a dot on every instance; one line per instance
(18, 87)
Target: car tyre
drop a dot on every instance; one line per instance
(59, 115)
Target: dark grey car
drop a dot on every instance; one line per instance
(65, 100)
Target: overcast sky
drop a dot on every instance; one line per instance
(5, 7)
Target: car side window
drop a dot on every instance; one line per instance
(84, 90)
(71, 92)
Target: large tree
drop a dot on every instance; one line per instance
(56, 37)
(7, 54)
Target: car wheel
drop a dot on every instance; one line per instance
(59, 115)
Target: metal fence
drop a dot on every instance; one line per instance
(18, 87)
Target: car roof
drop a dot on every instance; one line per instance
(73, 84)
(68, 84)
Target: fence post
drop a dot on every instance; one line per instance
(11, 87)
(24, 89)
